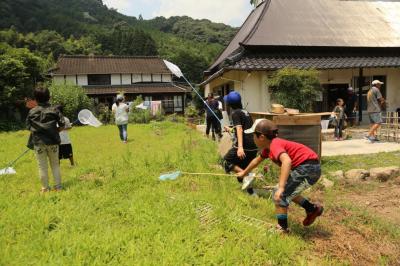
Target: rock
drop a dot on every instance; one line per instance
(337, 175)
(357, 174)
(383, 174)
(326, 182)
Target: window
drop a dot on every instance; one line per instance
(99, 79)
(178, 103)
(168, 104)
(147, 100)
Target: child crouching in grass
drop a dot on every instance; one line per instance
(44, 122)
(300, 169)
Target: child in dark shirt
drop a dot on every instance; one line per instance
(243, 150)
(300, 169)
(45, 122)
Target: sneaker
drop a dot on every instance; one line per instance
(311, 216)
(376, 139)
(280, 230)
(57, 188)
(45, 189)
(248, 181)
(336, 139)
(370, 139)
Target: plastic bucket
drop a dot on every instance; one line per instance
(324, 124)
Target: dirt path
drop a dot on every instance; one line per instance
(351, 237)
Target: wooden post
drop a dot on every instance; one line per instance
(396, 127)
(360, 83)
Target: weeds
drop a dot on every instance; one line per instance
(114, 210)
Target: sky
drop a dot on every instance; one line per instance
(232, 14)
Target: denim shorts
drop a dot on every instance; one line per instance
(300, 178)
(375, 118)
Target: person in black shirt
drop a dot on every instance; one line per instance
(45, 122)
(211, 120)
(243, 150)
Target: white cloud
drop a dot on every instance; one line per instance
(120, 5)
(232, 12)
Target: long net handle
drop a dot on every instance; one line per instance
(19, 157)
(186, 173)
(205, 103)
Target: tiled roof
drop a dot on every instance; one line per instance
(79, 65)
(317, 23)
(149, 88)
(323, 62)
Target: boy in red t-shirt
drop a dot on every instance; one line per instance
(300, 169)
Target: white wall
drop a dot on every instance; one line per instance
(393, 89)
(70, 80)
(136, 78)
(115, 79)
(126, 79)
(166, 78)
(251, 86)
(58, 79)
(156, 77)
(146, 77)
(82, 80)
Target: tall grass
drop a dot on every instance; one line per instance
(114, 210)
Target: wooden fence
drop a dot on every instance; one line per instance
(390, 129)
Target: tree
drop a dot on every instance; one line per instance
(125, 40)
(72, 97)
(295, 88)
(19, 71)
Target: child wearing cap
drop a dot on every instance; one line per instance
(121, 112)
(243, 150)
(300, 169)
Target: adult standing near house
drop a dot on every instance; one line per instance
(351, 105)
(218, 112)
(375, 103)
(121, 110)
(211, 120)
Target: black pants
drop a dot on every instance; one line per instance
(231, 159)
(339, 128)
(214, 125)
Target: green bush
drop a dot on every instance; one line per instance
(72, 97)
(137, 115)
(140, 116)
(295, 88)
(6, 125)
(191, 111)
(104, 114)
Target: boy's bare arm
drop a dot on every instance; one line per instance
(240, 151)
(286, 166)
(253, 164)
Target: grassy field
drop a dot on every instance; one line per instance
(114, 210)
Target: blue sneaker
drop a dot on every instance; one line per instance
(370, 139)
